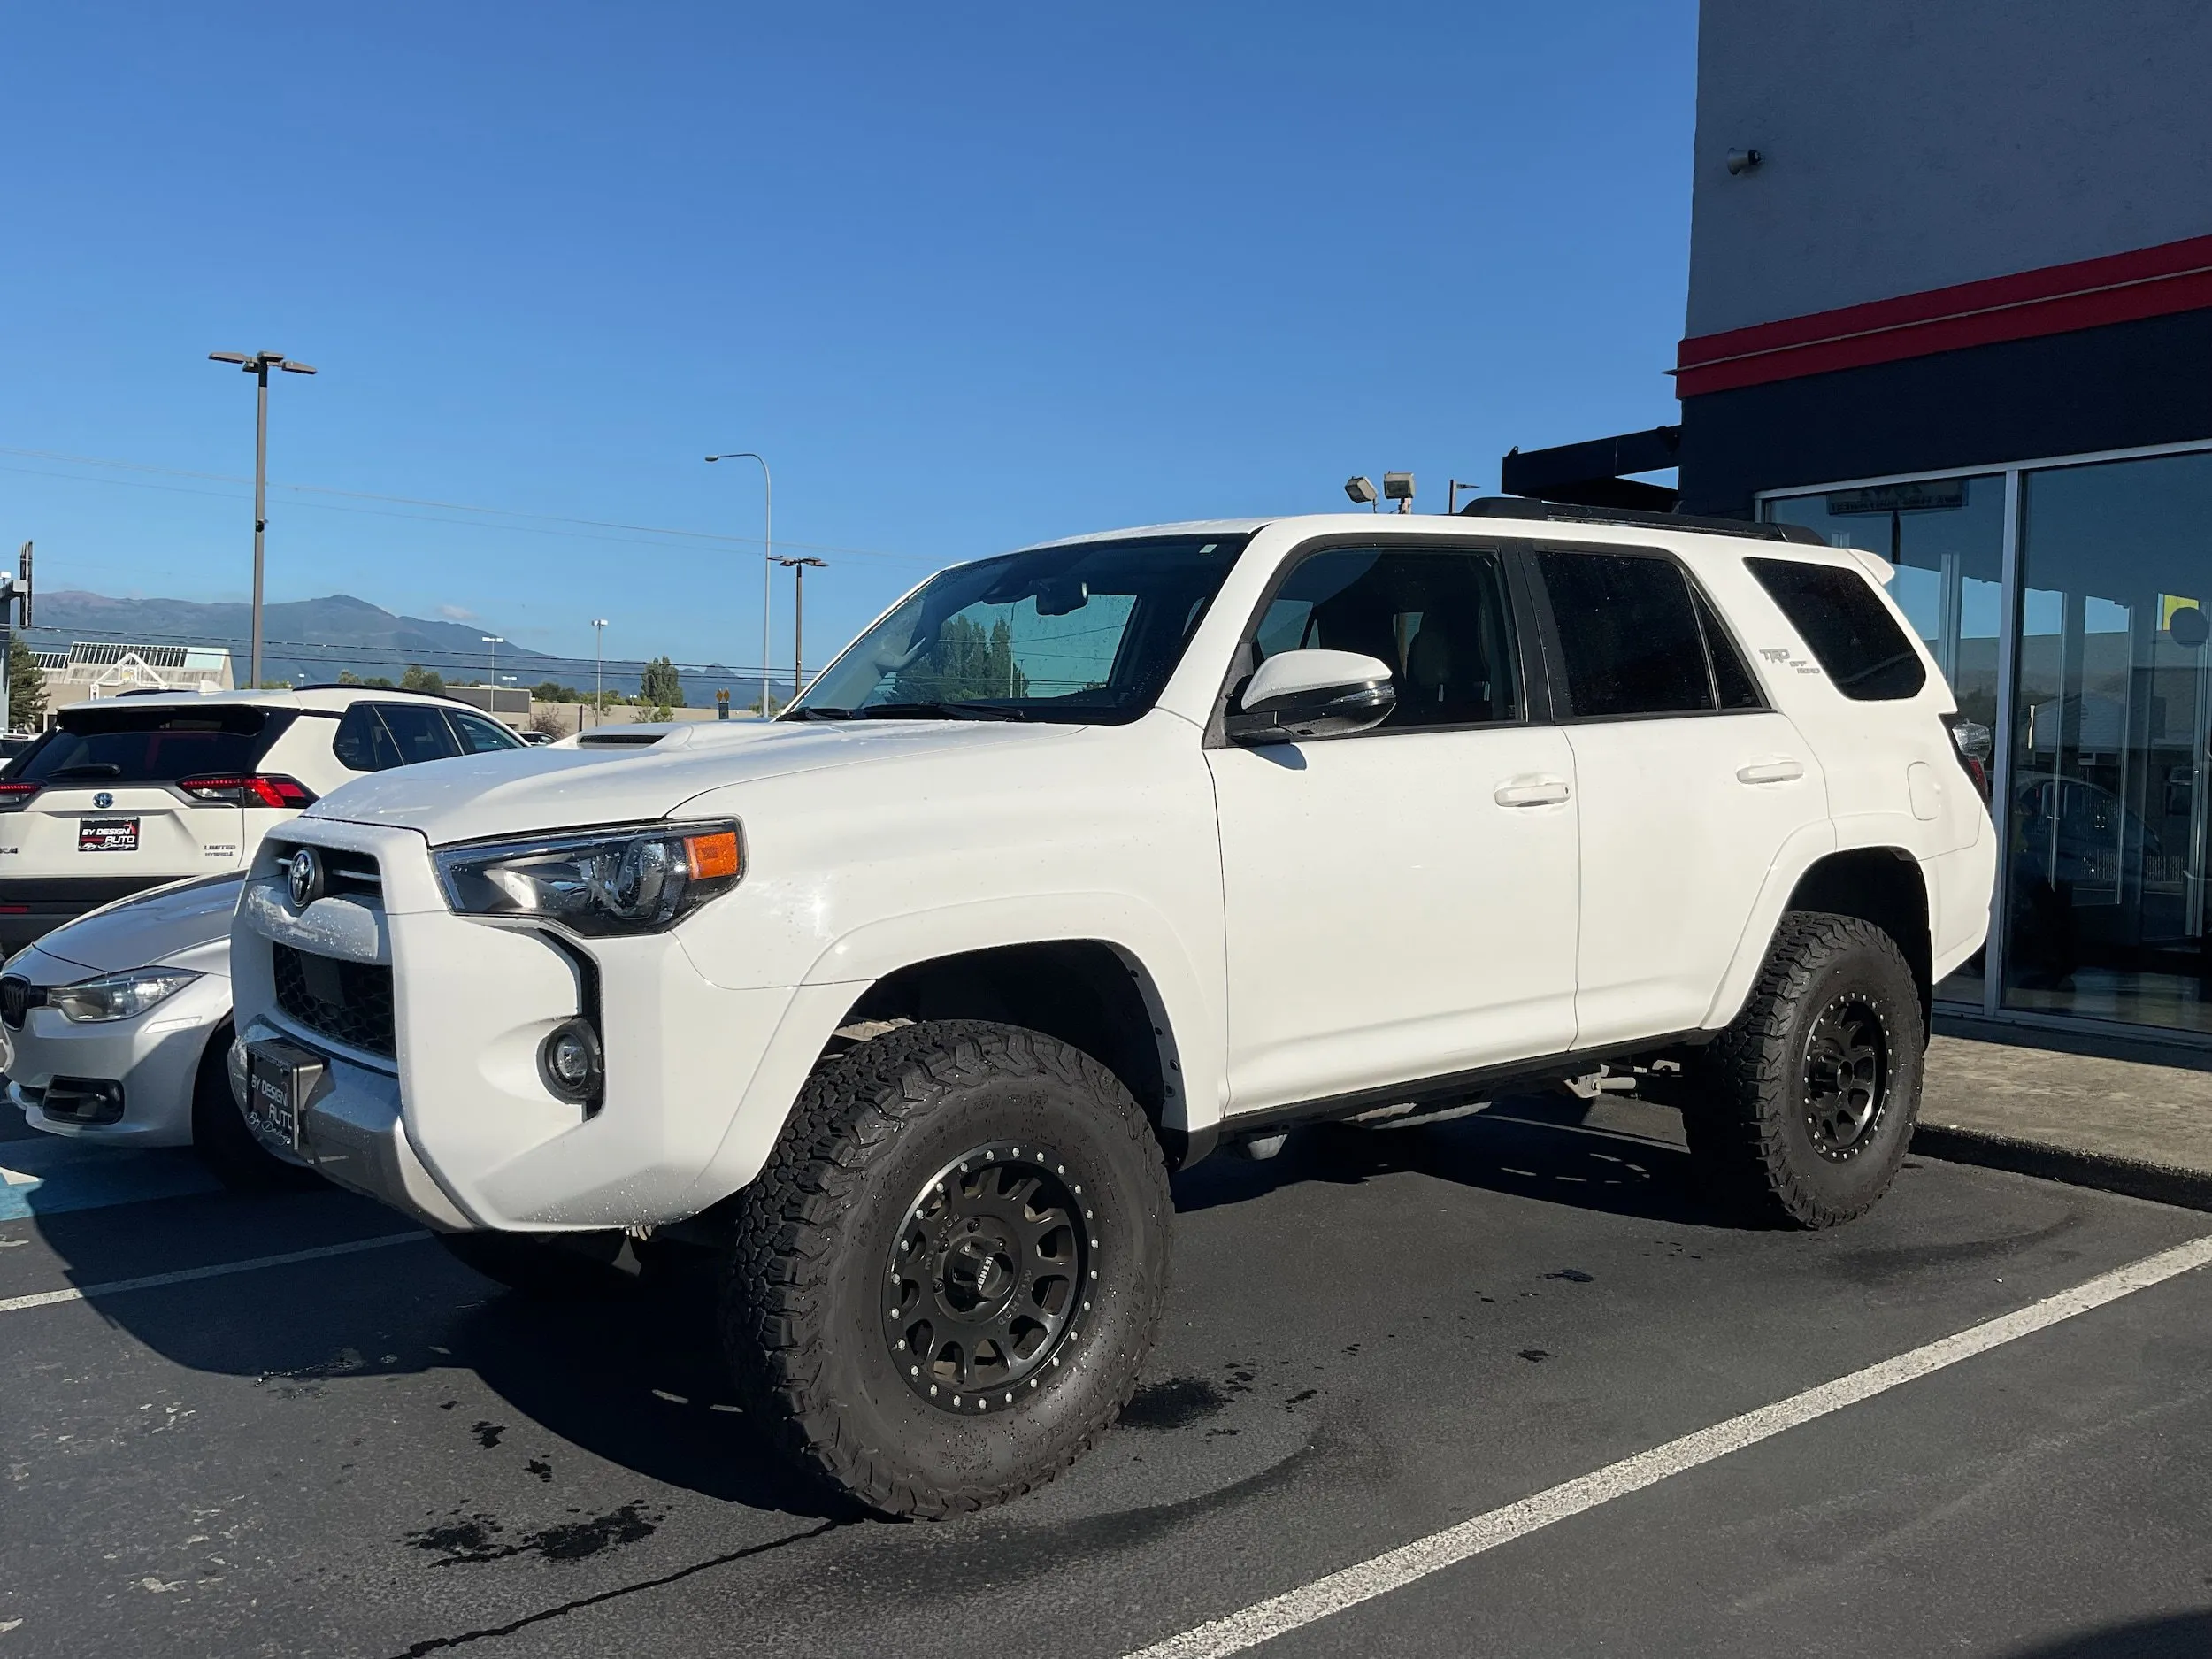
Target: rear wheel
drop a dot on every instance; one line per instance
(220, 1135)
(948, 1277)
(1800, 1111)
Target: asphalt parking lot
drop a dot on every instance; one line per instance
(1372, 1337)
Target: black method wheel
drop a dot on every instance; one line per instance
(945, 1280)
(220, 1135)
(556, 1267)
(1800, 1112)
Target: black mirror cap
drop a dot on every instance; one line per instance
(1325, 711)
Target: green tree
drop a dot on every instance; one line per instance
(420, 678)
(967, 664)
(660, 686)
(26, 688)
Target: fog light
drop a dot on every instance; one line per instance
(570, 1061)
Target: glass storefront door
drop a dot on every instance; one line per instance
(2104, 877)
(2104, 644)
(1947, 537)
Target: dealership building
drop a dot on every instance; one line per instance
(1950, 300)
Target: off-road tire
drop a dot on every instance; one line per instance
(220, 1135)
(1745, 1098)
(802, 1307)
(548, 1267)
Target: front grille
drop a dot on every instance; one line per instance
(18, 997)
(347, 1002)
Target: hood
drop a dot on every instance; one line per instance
(165, 925)
(519, 791)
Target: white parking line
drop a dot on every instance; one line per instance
(116, 1287)
(1396, 1569)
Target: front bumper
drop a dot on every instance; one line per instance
(155, 1058)
(457, 1126)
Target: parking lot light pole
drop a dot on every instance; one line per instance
(258, 366)
(798, 568)
(768, 556)
(494, 640)
(598, 670)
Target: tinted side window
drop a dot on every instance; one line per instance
(1629, 633)
(1439, 620)
(480, 736)
(361, 742)
(1853, 637)
(419, 734)
(1731, 680)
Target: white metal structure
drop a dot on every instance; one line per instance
(1398, 864)
(135, 791)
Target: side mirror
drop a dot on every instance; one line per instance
(1311, 694)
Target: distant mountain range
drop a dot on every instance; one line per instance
(306, 641)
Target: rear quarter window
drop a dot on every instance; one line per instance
(1850, 631)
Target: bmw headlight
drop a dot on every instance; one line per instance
(118, 996)
(631, 879)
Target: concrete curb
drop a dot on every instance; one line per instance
(2133, 1178)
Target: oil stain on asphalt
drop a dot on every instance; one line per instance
(465, 1540)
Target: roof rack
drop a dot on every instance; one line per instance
(1561, 512)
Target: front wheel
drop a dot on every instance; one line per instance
(947, 1278)
(1800, 1112)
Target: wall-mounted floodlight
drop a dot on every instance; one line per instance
(1743, 161)
(1398, 487)
(1362, 491)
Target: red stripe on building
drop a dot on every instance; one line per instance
(2176, 276)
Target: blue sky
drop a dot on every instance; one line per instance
(970, 277)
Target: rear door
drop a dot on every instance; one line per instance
(114, 802)
(1690, 784)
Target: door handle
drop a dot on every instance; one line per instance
(1538, 789)
(1783, 770)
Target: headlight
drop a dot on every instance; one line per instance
(636, 879)
(118, 996)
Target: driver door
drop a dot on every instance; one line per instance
(1400, 903)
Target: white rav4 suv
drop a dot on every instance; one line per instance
(1082, 859)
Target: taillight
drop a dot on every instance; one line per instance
(15, 796)
(1972, 743)
(248, 790)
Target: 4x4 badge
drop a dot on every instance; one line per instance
(303, 878)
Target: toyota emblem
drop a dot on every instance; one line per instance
(303, 878)
(104, 800)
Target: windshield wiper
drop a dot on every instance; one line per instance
(817, 714)
(953, 710)
(89, 769)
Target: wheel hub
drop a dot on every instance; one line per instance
(1846, 1078)
(991, 1277)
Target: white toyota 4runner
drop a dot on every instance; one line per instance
(1083, 859)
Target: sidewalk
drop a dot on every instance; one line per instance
(2070, 1110)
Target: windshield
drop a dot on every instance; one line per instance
(1083, 634)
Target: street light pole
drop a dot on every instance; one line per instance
(494, 640)
(798, 569)
(768, 556)
(598, 670)
(258, 366)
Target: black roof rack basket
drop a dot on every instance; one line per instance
(1563, 512)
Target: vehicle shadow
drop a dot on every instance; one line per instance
(2174, 1636)
(1534, 1146)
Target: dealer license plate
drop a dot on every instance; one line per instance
(282, 1079)
(107, 834)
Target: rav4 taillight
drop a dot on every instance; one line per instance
(1972, 742)
(248, 790)
(15, 796)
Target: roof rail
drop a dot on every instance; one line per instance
(1561, 512)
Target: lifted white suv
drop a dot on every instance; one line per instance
(1082, 859)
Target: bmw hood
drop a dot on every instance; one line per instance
(165, 925)
(521, 792)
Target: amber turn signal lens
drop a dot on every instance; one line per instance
(713, 856)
